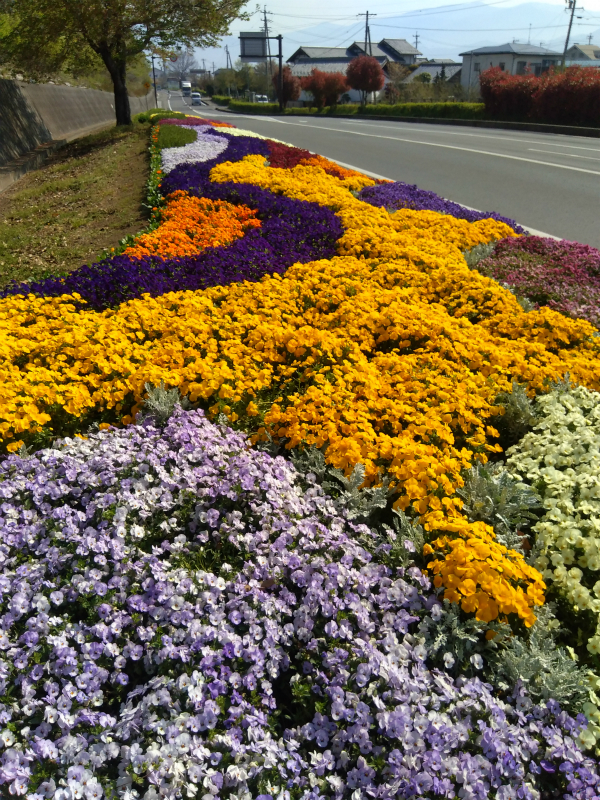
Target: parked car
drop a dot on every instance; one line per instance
(196, 99)
(262, 98)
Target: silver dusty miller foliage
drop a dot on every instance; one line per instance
(492, 495)
(546, 669)
(478, 253)
(160, 403)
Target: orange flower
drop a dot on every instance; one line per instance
(189, 224)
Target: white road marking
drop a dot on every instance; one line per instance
(566, 155)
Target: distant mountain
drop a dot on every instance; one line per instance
(444, 32)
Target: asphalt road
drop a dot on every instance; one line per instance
(549, 183)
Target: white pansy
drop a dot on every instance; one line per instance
(560, 458)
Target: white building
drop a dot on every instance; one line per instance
(514, 58)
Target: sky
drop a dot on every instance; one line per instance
(444, 29)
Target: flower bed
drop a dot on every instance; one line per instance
(200, 651)
(185, 613)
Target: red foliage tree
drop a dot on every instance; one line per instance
(291, 86)
(365, 74)
(562, 97)
(325, 87)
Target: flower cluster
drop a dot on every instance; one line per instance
(190, 224)
(369, 232)
(394, 196)
(476, 573)
(560, 458)
(180, 616)
(563, 275)
(287, 157)
(206, 147)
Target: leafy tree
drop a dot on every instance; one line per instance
(424, 77)
(291, 86)
(335, 85)
(48, 35)
(325, 87)
(365, 75)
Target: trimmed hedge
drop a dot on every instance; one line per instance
(437, 110)
(432, 110)
(221, 99)
(253, 108)
(569, 97)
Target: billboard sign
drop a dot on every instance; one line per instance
(253, 46)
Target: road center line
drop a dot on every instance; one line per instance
(449, 147)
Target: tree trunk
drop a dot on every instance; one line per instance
(117, 69)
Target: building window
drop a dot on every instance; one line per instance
(537, 70)
(477, 66)
(502, 65)
(521, 67)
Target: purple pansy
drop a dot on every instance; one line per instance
(394, 196)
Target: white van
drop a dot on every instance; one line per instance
(196, 99)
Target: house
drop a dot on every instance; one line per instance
(514, 58)
(583, 52)
(397, 50)
(336, 59)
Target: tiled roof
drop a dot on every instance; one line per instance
(318, 52)
(401, 46)
(514, 48)
(374, 50)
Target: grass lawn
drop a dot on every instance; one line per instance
(80, 204)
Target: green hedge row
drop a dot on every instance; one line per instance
(431, 110)
(437, 110)
(221, 99)
(253, 108)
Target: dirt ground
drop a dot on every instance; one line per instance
(78, 206)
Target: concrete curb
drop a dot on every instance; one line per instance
(565, 130)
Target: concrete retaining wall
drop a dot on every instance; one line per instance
(21, 129)
(70, 111)
(32, 115)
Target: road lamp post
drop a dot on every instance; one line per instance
(152, 57)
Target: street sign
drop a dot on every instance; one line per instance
(253, 46)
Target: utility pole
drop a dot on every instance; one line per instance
(416, 41)
(368, 45)
(590, 37)
(269, 69)
(572, 4)
(529, 37)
